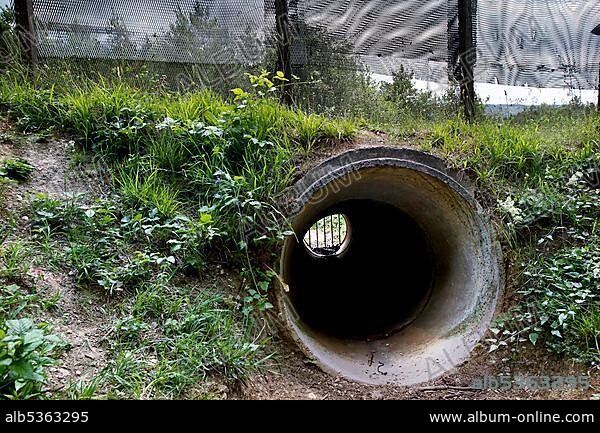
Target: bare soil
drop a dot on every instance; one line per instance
(296, 377)
(83, 318)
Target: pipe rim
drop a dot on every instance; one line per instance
(471, 329)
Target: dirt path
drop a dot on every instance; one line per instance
(79, 318)
(54, 172)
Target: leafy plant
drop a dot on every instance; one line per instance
(241, 213)
(25, 351)
(562, 293)
(16, 169)
(559, 299)
(198, 335)
(257, 299)
(129, 329)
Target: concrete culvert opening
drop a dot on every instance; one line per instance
(373, 283)
(404, 277)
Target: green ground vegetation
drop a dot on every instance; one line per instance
(194, 180)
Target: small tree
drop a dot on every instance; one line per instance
(401, 91)
(121, 42)
(196, 34)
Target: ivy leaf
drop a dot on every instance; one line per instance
(533, 337)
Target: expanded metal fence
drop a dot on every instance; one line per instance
(538, 43)
(542, 43)
(174, 31)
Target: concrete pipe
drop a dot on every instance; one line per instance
(410, 281)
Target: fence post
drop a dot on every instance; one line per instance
(467, 57)
(596, 32)
(25, 30)
(284, 62)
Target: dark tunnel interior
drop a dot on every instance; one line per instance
(376, 285)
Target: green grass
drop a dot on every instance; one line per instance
(182, 137)
(147, 189)
(169, 340)
(516, 151)
(197, 335)
(14, 261)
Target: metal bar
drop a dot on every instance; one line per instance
(596, 31)
(467, 56)
(26, 30)
(331, 229)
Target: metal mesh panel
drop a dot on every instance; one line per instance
(542, 43)
(384, 34)
(177, 31)
(519, 42)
